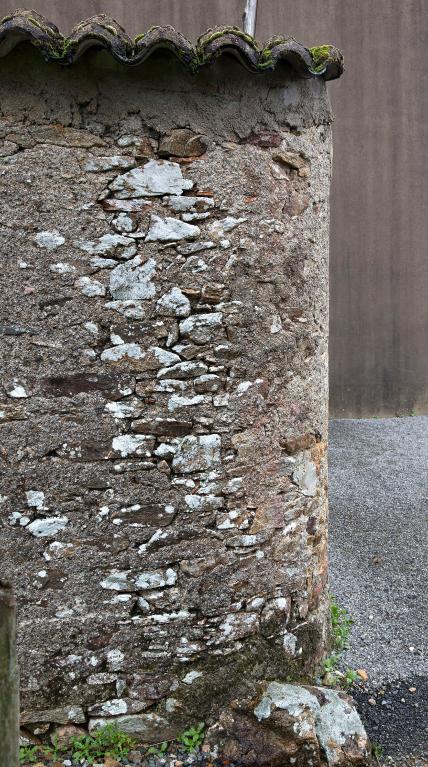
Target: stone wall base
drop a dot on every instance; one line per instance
(284, 725)
(293, 725)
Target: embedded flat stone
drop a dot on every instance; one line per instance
(186, 204)
(133, 357)
(197, 453)
(132, 310)
(113, 205)
(323, 716)
(182, 142)
(108, 244)
(162, 426)
(113, 707)
(150, 728)
(203, 503)
(62, 715)
(103, 164)
(48, 527)
(199, 328)
(155, 178)
(218, 229)
(121, 351)
(133, 280)
(170, 230)
(195, 247)
(116, 581)
(319, 726)
(156, 579)
(207, 383)
(174, 304)
(176, 402)
(133, 444)
(183, 370)
(305, 474)
(294, 161)
(90, 288)
(49, 240)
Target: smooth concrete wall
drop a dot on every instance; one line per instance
(379, 224)
(192, 17)
(379, 230)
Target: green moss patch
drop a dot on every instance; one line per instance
(320, 55)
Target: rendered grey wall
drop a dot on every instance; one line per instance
(379, 230)
(192, 17)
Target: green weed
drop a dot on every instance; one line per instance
(377, 752)
(193, 737)
(159, 749)
(350, 677)
(28, 754)
(107, 741)
(341, 623)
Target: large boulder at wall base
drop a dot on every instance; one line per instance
(293, 724)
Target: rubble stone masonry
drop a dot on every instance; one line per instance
(163, 411)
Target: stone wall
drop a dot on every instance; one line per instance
(164, 402)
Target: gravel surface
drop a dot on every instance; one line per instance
(378, 570)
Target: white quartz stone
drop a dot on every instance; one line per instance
(102, 164)
(156, 579)
(35, 499)
(48, 527)
(132, 310)
(199, 327)
(174, 304)
(155, 178)
(49, 240)
(61, 268)
(191, 676)
(133, 280)
(90, 288)
(184, 204)
(170, 230)
(106, 245)
(116, 581)
(176, 402)
(196, 453)
(116, 353)
(218, 229)
(123, 409)
(18, 392)
(131, 444)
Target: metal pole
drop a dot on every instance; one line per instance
(249, 17)
(9, 680)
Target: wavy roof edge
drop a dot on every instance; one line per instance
(25, 25)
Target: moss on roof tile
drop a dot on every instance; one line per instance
(102, 31)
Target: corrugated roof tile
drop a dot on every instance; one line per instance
(102, 31)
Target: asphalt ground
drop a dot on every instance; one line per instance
(378, 570)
